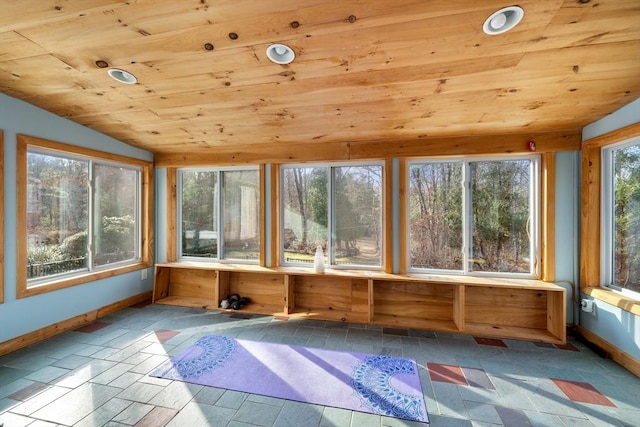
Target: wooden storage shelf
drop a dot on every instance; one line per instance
(506, 308)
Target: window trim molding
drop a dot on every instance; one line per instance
(146, 216)
(173, 206)
(386, 215)
(544, 269)
(178, 213)
(590, 237)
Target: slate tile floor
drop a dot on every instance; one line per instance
(97, 375)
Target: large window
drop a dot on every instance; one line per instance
(621, 216)
(474, 216)
(338, 207)
(81, 213)
(219, 214)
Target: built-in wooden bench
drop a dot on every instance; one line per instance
(506, 308)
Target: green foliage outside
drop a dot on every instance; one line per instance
(626, 272)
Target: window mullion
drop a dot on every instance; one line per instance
(331, 232)
(219, 202)
(91, 215)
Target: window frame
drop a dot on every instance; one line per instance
(591, 223)
(607, 233)
(177, 213)
(537, 240)
(25, 287)
(330, 250)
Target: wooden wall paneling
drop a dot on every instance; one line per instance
(290, 293)
(275, 216)
(265, 229)
(161, 285)
(193, 284)
(147, 215)
(360, 297)
(403, 213)
(172, 214)
(547, 217)
(467, 145)
(458, 306)
(21, 217)
(590, 218)
(265, 290)
(414, 304)
(387, 216)
(223, 285)
(524, 308)
(375, 148)
(557, 314)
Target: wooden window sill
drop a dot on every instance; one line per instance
(624, 302)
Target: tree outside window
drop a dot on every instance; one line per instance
(62, 207)
(337, 207)
(214, 200)
(621, 216)
(472, 216)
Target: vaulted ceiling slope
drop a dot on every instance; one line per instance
(365, 70)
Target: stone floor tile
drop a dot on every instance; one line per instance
(133, 413)
(76, 404)
(257, 414)
(111, 374)
(202, 415)
(29, 391)
(299, 414)
(449, 400)
(364, 419)
(104, 413)
(231, 399)
(176, 395)
(482, 412)
(140, 392)
(150, 364)
(42, 399)
(158, 417)
(84, 373)
(72, 362)
(209, 395)
(126, 380)
(335, 417)
(14, 420)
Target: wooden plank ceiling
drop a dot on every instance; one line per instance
(396, 71)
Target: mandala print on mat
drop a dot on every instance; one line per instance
(372, 382)
(212, 352)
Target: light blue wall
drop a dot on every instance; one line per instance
(567, 214)
(619, 327)
(21, 316)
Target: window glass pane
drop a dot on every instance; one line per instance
(626, 217)
(358, 209)
(306, 212)
(500, 212)
(241, 214)
(435, 209)
(199, 214)
(115, 214)
(57, 215)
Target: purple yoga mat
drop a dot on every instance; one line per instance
(362, 382)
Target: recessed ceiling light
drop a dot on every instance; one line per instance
(503, 20)
(280, 54)
(122, 76)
